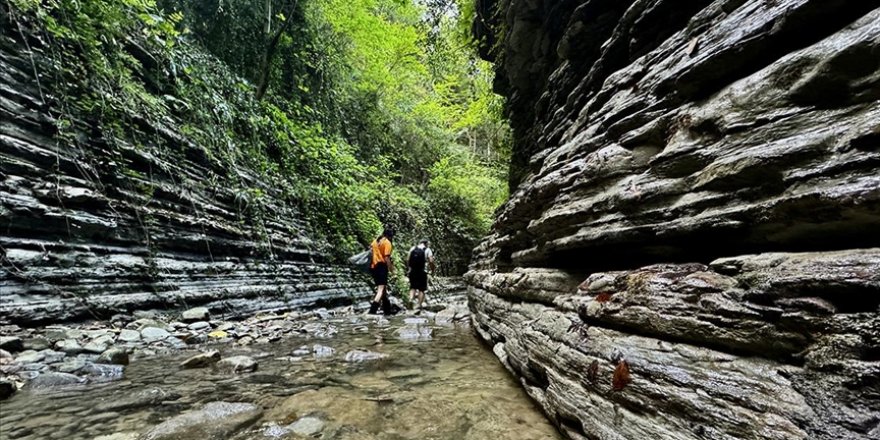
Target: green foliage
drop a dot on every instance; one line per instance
(377, 112)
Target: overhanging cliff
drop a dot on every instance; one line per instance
(98, 217)
(732, 149)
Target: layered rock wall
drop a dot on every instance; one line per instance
(95, 222)
(697, 199)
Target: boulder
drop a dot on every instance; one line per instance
(214, 421)
(201, 360)
(195, 314)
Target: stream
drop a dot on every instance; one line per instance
(354, 377)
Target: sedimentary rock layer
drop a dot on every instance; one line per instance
(731, 150)
(94, 222)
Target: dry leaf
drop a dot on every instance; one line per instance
(603, 297)
(621, 376)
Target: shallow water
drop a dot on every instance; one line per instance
(445, 386)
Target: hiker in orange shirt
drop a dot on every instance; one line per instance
(381, 267)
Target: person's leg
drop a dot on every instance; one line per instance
(380, 289)
(386, 303)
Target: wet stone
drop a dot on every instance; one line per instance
(307, 426)
(414, 333)
(127, 335)
(237, 364)
(200, 325)
(69, 346)
(195, 314)
(37, 344)
(29, 357)
(356, 356)
(71, 366)
(322, 351)
(54, 379)
(201, 360)
(214, 421)
(52, 356)
(115, 356)
(7, 389)
(154, 334)
(102, 372)
(12, 344)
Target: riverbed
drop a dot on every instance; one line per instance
(351, 377)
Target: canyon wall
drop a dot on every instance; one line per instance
(692, 245)
(96, 222)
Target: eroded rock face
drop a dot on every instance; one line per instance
(696, 201)
(108, 223)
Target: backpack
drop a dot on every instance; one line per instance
(417, 259)
(362, 260)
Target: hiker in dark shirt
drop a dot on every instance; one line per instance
(419, 259)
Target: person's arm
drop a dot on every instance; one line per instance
(390, 264)
(431, 262)
(388, 261)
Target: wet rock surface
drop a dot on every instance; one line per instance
(691, 246)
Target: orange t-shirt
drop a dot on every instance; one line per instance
(381, 249)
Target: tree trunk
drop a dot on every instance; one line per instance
(269, 53)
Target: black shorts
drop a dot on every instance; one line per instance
(418, 280)
(380, 274)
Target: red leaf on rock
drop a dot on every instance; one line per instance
(621, 376)
(603, 297)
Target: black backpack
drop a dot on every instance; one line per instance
(417, 259)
